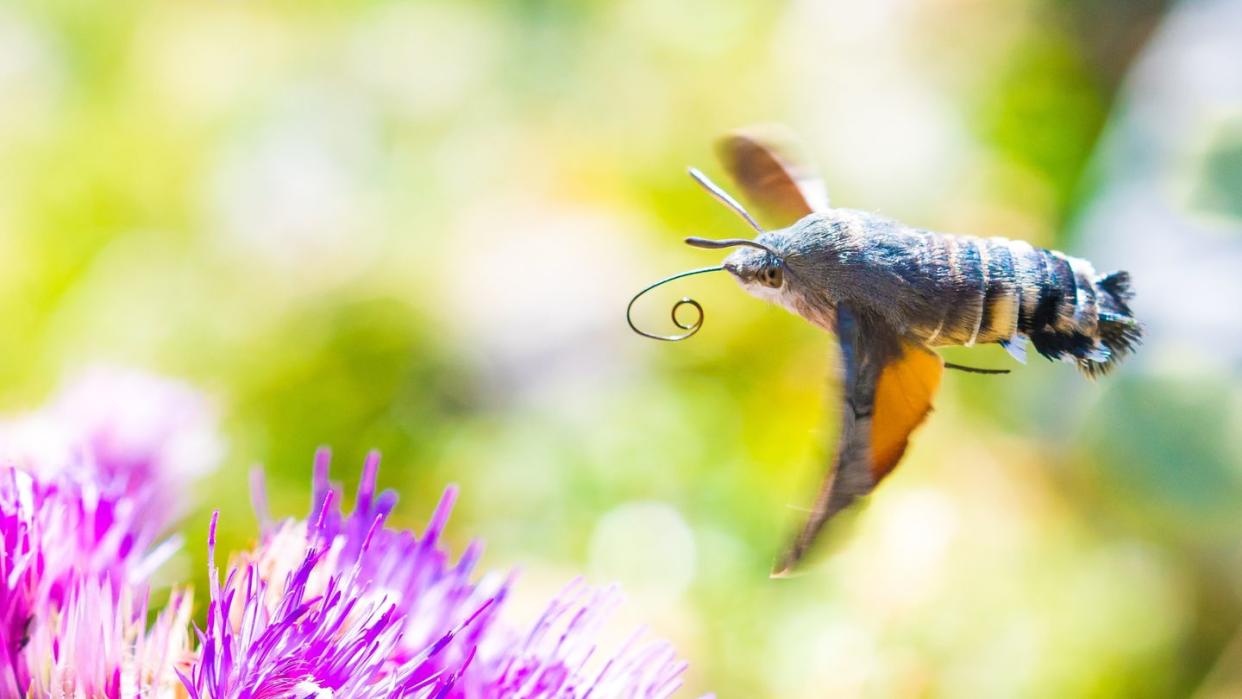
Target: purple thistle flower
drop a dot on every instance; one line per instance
(341, 640)
(83, 498)
(337, 606)
(20, 561)
(557, 658)
(70, 571)
(98, 645)
(343, 598)
(126, 432)
(434, 593)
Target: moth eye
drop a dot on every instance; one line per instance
(771, 276)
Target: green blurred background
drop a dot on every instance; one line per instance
(414, 226)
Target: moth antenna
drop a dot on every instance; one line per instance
(724, 198)
(730, 243)
(692, 327)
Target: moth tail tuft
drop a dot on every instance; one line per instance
(1117, 286)
(1119, 332)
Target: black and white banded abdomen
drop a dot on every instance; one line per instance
(1000, 290)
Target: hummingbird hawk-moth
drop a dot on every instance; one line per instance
(891, 293)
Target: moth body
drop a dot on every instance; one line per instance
(890, 293)
(940, 289)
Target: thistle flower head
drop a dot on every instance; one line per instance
(342, 601)
(558, 658)
(83, 500)
(126, 433)
(416, 571)
(72, 596)
(98, 644)
(19, 576)
(304, 599)
(341, 640)
(337, 605)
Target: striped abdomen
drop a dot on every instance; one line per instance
(999, 290)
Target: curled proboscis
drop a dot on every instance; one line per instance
(690, 327)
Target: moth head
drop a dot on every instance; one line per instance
(775, 266)
(758, 267)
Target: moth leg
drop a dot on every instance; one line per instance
(974, 370)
